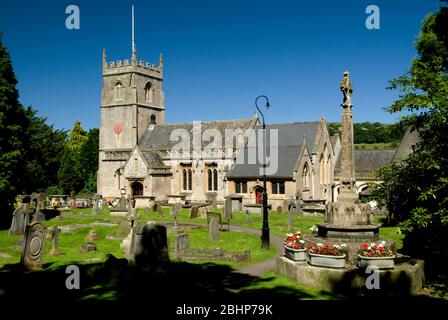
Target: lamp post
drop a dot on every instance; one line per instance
(265, 227)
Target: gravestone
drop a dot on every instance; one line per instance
(39, 202)
(92, 236)
(279, 209)
(175, 212)
(155, 207)
(89, 246)
(213, 230)
(193, 212)
(149, 247)
(160, 210)
(33, 246)
(290, 214)
(247, 216)
(20, 219)
(203, 212)
(228, 209)
(54, 231)
(181, 241)
(122, 204)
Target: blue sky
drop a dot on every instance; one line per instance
(218, 55)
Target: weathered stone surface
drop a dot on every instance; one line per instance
(149, 248)
(34, 246)
(404, 279)
(181, 242)
(213, 230)
(20, 219)
(54, 232)
(92, 236)
(89, 246)
(193, 212)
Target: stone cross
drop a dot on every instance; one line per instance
(54, 231)
(290, 214)
(33, 246)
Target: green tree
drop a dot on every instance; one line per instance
(70, 176)
(13, 120)
(88, 161)
(416, 189)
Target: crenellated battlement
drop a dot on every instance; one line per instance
(119, 66)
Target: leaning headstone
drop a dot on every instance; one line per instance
(20, 219)
(193, 212)
(247, 216)
(54, 231)
(213, 230)
(203, 212)
(33, 247)
(279, 209)
(149, 248)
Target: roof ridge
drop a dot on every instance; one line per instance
(210, 121)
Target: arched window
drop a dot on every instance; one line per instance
(153, 119)
(212, 179)
(119, 91)
(305, 175)
(321, 169)
(148, 92)
(187, 184)
(329, 171)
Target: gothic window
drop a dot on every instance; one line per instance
(278, 187)
(153, 119)
(321, 169)
(119, 91)
(212, 173)
(187, 175)
(328, 175)
(305, 176)
(148, 92)
(241, 187)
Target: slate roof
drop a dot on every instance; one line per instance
(153, 159)
(369, 159)
(158, 136)
(290, 139)
(409, 139)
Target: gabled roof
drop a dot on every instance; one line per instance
(291, 137)
(369, 159)
(158, 136)
(409, 139)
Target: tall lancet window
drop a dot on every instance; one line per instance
(306, 176)
(119, 91)
(148, 92)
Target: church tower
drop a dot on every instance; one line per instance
(131, 100)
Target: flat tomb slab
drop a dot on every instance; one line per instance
(404, 279)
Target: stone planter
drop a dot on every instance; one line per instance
(379, 262)
(320, 260)
(295, 254)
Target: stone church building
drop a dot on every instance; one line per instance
(143, 157)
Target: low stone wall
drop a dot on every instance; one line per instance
(404, 279)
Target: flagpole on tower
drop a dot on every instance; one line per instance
(134, 55)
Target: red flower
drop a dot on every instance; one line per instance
(365, 245)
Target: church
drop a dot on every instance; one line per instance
(142, 157)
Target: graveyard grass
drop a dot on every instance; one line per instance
(233, 241)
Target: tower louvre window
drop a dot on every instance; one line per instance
(119, 91)
(148, 92)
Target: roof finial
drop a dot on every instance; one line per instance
(161, 60)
